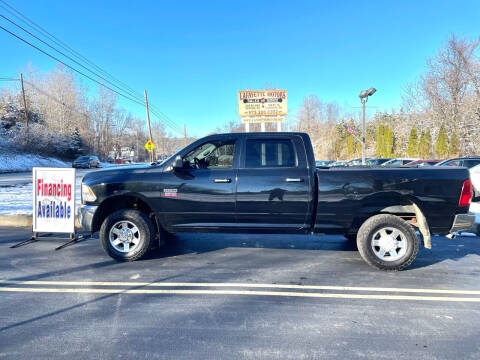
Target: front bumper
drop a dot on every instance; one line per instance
(86, 214)
(463, 222)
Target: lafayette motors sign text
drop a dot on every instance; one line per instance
(253, 103)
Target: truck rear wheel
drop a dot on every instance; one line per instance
(387, 242)
(127, 235)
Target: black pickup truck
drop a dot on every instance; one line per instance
(268, 183)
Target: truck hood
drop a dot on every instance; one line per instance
(115, 172)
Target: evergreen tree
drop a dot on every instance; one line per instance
(350, 146)
(454, 145)
(441, 145)
(422, 145)
(388, 141)
(380, 140)
(76, 144)
(412, 149)
(428, 143)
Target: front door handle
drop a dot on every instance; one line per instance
(222, 180)
(293, 180)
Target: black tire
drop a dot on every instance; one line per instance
(370, 228)
(146, 235)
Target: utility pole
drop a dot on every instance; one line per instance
(148, 122)
(136, 147)
(184, 135)
(24, 101)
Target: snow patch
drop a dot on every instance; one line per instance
(25, 162)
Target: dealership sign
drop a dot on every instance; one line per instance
(53, 200)
(253, 103)
(262, 119)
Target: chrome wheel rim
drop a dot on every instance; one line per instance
(124, 236)
(389, 244)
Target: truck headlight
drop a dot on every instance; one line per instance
(87, 194)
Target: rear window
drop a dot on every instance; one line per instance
(270, 153)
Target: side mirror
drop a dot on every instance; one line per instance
(177, 163)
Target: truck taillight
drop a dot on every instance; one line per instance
(466, 195)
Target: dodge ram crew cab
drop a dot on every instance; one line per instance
(268, 183)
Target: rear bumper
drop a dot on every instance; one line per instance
(86, 214)
(463, 222)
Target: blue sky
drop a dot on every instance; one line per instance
(193, 56)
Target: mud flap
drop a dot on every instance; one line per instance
(423, 227)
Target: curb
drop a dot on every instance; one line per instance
(22, 220)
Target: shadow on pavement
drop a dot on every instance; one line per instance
(181, 244)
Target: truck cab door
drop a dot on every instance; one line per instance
(201, 195)
(274, 190)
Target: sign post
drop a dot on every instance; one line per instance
(53, 208)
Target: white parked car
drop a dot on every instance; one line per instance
(475, 205)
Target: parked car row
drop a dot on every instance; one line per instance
(467, 162)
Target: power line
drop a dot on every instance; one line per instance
(53, 38)
(8, 79)
(44, 93)
(172, 124)
(50, 96)
(70, 67)
(160, 115)
(55, 99)
(68, 57)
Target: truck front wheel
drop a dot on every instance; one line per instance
(127, 235)
(387, 242)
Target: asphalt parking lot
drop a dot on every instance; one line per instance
(217, 296)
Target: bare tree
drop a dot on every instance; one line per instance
(449, 92)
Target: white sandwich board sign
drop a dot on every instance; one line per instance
(53, 200)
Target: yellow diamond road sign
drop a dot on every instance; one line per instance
(149, 145)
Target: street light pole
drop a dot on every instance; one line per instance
(364, 101)
(364, 94)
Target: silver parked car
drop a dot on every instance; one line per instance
(86, 162)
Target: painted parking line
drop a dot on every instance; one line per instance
(241, 292)
(241, 285)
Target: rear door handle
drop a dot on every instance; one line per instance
(222, 180)
(293, 180)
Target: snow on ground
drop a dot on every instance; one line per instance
(18, 199)
(25, 162)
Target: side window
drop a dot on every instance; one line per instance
(454, 163)
(211, 155)
(471, 163)
(270, 153)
